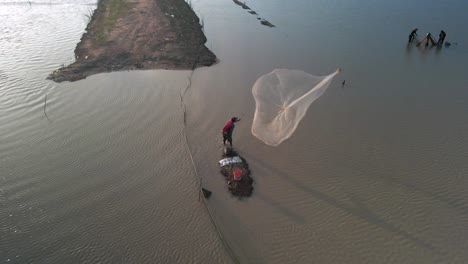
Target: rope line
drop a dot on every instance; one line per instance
(198, 177)
(45, 104)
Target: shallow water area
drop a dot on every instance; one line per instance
(374, 171)
(98, 170)
(95, 170)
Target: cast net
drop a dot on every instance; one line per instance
(282, 98)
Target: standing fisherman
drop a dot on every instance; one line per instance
(228, 129)
(412, 35)
(441, 38)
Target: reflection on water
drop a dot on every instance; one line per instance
(96, 170)
(374, 172)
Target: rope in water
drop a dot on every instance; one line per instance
(45, 105)
(205, 202)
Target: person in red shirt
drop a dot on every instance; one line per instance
(228, 129)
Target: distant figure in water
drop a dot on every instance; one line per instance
(228, 129)
(427, 38)
(441, 38)
(412, 35)
(343, 83)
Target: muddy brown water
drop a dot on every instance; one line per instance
(375, 173)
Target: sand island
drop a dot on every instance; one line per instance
(135, 34)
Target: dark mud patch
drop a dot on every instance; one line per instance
(266, 23)
(240, 185)
(245, 6)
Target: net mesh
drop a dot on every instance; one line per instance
(282, 98)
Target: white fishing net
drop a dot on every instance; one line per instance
(282, 98)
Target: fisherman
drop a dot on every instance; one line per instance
(441, 38)
(228, 129)
(427, 38)
(412, 35)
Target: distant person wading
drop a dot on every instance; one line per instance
(412, 35)
(428, 38)
(228, 129)
(442, 36)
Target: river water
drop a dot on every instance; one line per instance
(98, 170)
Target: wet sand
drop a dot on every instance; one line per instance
(126, 35)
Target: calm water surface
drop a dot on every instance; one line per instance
(99, 171)
(375, 172)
